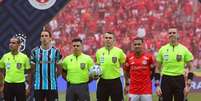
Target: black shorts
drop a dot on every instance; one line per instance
(49, 95)
(78, 92)
(109, 88)
(14, 90)
(172, 87)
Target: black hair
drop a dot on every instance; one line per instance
(18, 39)
(47, 32)
(110, 33)
(77, 40)
(138, 38)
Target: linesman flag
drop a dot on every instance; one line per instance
(25, 19)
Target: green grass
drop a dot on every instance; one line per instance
(191, 97)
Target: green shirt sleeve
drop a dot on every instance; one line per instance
(159, 56)
(90, 63)
(188, 56)
(27, 63)
(2, 65)
(97, 57)
(64, 63)
(122, 57)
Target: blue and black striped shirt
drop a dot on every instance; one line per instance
(45, 67)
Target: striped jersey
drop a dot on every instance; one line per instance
(45, 67)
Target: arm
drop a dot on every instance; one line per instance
(1, 77)
(30, 73)
(157, 79)
(157, 74)
(58, 62)
(1, 81)
(64, 74)
(190, 73)
(126, 75)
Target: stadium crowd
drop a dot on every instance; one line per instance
(89, 19)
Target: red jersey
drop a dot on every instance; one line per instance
(139, 69)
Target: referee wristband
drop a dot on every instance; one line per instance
(157, 76)
(190, 75)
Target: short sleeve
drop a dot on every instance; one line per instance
(33, 57)
(27, 63)
(64, 64)
(188, 55)
(2, 64)
(58, 55)
(90, 62)
(98, 57)
(126, 65)
(159, 56)
(122, 57)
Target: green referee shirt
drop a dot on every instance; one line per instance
(77, 68)
(173, 59)
(15, 66)
(110, 61)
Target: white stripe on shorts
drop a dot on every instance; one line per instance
(143, 97)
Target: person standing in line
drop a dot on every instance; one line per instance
(44, 60)
(172, 59)
(15, 65)
(138, 69)
(110, 59)
(75, 71)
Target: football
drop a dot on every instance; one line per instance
(95, 71)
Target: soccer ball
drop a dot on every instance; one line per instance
(95, 71)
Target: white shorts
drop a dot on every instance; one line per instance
(141, 97)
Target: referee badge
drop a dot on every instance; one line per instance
(82, 65)
(7, 65)
(114, 59)
(19, 65)
(165, 57)
(179, 57)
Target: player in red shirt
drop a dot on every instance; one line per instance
(137, 70)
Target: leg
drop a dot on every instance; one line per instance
(52, 95)
(179, 89)
(8, 92)
(82, 91)
(166, 89)
(116, 90)
(20, 92)
(134, 97)
(102, 92)
(39, 95)
(146, 97)
(70, 94)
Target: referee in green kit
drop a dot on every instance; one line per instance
(76, 72)
(110, 59)
(172, 59)
(15, 64)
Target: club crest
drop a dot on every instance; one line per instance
(42, 4)
(82, 65)
(22, 38)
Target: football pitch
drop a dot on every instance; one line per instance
(191, 97)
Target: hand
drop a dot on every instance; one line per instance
(28, 90)
(186, 90)
(158, 91)
(126, 89)
(1, 89)
(95, 77)
(189, 81)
